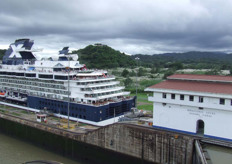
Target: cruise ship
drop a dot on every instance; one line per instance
(60, 85)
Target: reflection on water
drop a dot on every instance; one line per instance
(14, 151)
(219, 155)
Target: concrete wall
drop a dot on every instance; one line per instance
(145, 143)
(118, 143)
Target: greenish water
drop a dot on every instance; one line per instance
(219, 155)
(14, 151)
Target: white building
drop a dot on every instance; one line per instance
(196, 104)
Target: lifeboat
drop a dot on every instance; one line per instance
(2, 93)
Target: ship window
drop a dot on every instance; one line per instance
(45, 76)
(191, 98)
(173, 96)
(222, 101)
(164, 95)
(181, 97)
(201, 99)
(61, 77)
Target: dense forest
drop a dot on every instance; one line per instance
(103, 56)
(192, 59)
(2, 53)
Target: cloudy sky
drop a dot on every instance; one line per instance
(131, 26)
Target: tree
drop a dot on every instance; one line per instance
(128, 81)
(168, 73)
(125, 73)
(153, 70)
(231, 71)
(132, 73)
(142, 72)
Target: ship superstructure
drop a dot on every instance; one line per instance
(58, 83)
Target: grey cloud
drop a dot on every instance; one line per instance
(132, 26)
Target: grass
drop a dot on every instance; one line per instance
(81, 124)
(143, 98)
(3, 111)
(55, 118)
(148, 107)
(24, 112)
(15, 114)
(7, 107)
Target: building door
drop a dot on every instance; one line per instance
(200, 127)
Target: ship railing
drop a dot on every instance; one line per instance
(105, 90)
(102, 84)
(111, 101)
(94, 78)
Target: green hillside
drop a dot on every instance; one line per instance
(2, 53)
(103, 57)
(194, 59)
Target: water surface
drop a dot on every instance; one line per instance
(15, 151)
(219, 155)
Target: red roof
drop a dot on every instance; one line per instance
(195, 86)
(201, 77)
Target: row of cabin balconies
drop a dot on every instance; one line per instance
(100, 84)
(107, 95)
(93, 82)
(32, 80)
(29, 81)
(96, 79)
(34, 88)
(39, 84)
(51, 76)
(101, 90)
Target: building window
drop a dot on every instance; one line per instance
(164, 95)
(201, 99)
(222, 101)
(201, 108)
(191, 98)
(173, 96)
(181, 97)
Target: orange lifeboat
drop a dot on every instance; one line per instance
(2, 93)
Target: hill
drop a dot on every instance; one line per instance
(2, 53)
(192, 59)
(103, 56)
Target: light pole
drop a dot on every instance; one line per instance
(68, 87)
(137, 58)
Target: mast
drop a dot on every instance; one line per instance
(68, 88)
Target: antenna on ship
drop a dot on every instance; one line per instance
(68, 86)
(68, 89)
